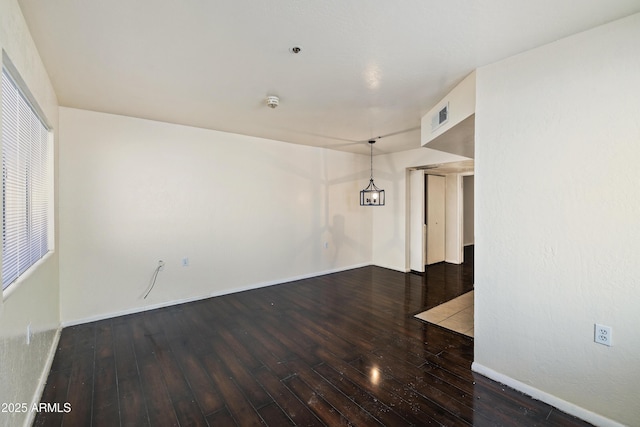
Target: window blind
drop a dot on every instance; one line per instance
(24, 183)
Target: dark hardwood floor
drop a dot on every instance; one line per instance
(443, 282)
(340, 349)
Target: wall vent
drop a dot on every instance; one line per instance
(439, 118)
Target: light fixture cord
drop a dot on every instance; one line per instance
(371, 162)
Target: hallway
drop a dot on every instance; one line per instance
(443, 281)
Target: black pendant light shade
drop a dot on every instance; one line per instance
(372, 195)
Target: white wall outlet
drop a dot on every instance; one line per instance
(326, 245)
(602, 335)
(160, 265)
(185, 262)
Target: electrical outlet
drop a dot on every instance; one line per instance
(160, 265)
(185, 262)
(602, 335)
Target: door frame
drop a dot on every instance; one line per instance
(455, 236)
(416, 241)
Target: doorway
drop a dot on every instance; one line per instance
(427, 219)
(449, 275)
(417, 215)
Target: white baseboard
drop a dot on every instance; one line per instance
(201, 297)
(37, 395)
(391, 267)
(545, 397)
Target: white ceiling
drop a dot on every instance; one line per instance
(368, 68)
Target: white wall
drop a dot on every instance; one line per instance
(33, 301)
(468, 215)
(558, 221)
(462, 103)
(391, 222)
(245, 211)
(416, 226)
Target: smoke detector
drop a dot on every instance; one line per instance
(273, 101)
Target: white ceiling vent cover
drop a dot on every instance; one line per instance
(439, 118)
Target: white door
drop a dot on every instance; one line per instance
(416, 224)
(435, 218)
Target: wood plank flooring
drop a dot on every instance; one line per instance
(340, 349)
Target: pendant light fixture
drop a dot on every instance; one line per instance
(372, 195)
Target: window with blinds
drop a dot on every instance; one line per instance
(25, 182)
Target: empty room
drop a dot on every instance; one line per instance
(277, 213)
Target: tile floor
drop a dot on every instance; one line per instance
(456, 314)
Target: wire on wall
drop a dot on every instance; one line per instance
(154, 277)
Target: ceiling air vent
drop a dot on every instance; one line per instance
(439, 118)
